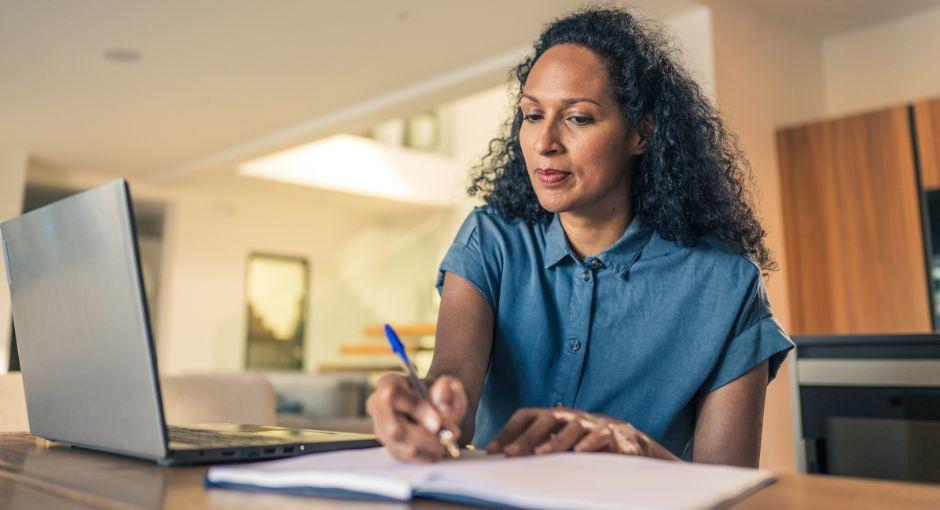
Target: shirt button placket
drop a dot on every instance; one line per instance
(574, 360)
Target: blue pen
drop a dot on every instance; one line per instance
(446, 436)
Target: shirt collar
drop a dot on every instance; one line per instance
(620, 256)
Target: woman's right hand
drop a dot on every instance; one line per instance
(407, 425)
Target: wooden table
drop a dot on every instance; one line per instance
(37, 474)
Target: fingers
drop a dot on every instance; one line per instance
(542, 431)
(539, 424)
(538, 431)
(415, 444)
(597, 440)
(519, 421)
(392, 394)
(421, 411)
(403, 422)
(563, 440)
(450, 398)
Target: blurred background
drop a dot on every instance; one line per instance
(299, 167)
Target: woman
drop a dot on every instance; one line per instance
(609, 297)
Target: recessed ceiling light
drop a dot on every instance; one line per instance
(121, 55)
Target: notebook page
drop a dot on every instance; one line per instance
(366, 471)
(561, 481)
(592, 481)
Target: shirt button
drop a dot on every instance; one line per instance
(558, 404)
(576, 345)
(597, 263)
(586, 275)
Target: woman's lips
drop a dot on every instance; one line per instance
(550, 176)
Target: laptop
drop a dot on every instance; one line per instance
(86, 347)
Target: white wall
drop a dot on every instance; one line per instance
(12, 183)
(893, 62)
(767, 74)
(365, 269)
(693, 32)
(469, 125)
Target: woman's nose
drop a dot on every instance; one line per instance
(546, 140)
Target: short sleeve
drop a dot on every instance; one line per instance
(759, 337)
(466, 257)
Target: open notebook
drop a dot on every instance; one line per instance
(561, 481)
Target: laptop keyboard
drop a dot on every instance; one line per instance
(211, 438)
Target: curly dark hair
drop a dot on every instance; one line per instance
(692, 180)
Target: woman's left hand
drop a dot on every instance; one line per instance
(548, 430)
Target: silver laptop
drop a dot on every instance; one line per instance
(86, 348)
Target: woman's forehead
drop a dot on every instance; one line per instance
(566, 71)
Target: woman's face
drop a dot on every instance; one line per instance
(575, 141)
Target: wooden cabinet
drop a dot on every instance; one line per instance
(927, 126)
(852, 212)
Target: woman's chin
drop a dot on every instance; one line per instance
(555, 206)
(554, 201)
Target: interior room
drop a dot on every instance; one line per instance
(298, 171)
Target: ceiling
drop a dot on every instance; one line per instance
(215, 74)
(828, 17)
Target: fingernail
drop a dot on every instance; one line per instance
(512, 449)
(492, 447)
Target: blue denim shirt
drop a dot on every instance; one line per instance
(641, 332)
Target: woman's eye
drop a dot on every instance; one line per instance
(579, 120)
(531, 117)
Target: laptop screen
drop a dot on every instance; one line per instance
(82, 327)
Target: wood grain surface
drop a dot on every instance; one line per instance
(37, 474)
(854, 244)
(927, 125)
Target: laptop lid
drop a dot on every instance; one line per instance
(82, 327)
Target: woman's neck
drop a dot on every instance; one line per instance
(593, 232)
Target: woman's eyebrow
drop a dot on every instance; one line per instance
(571, 100)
